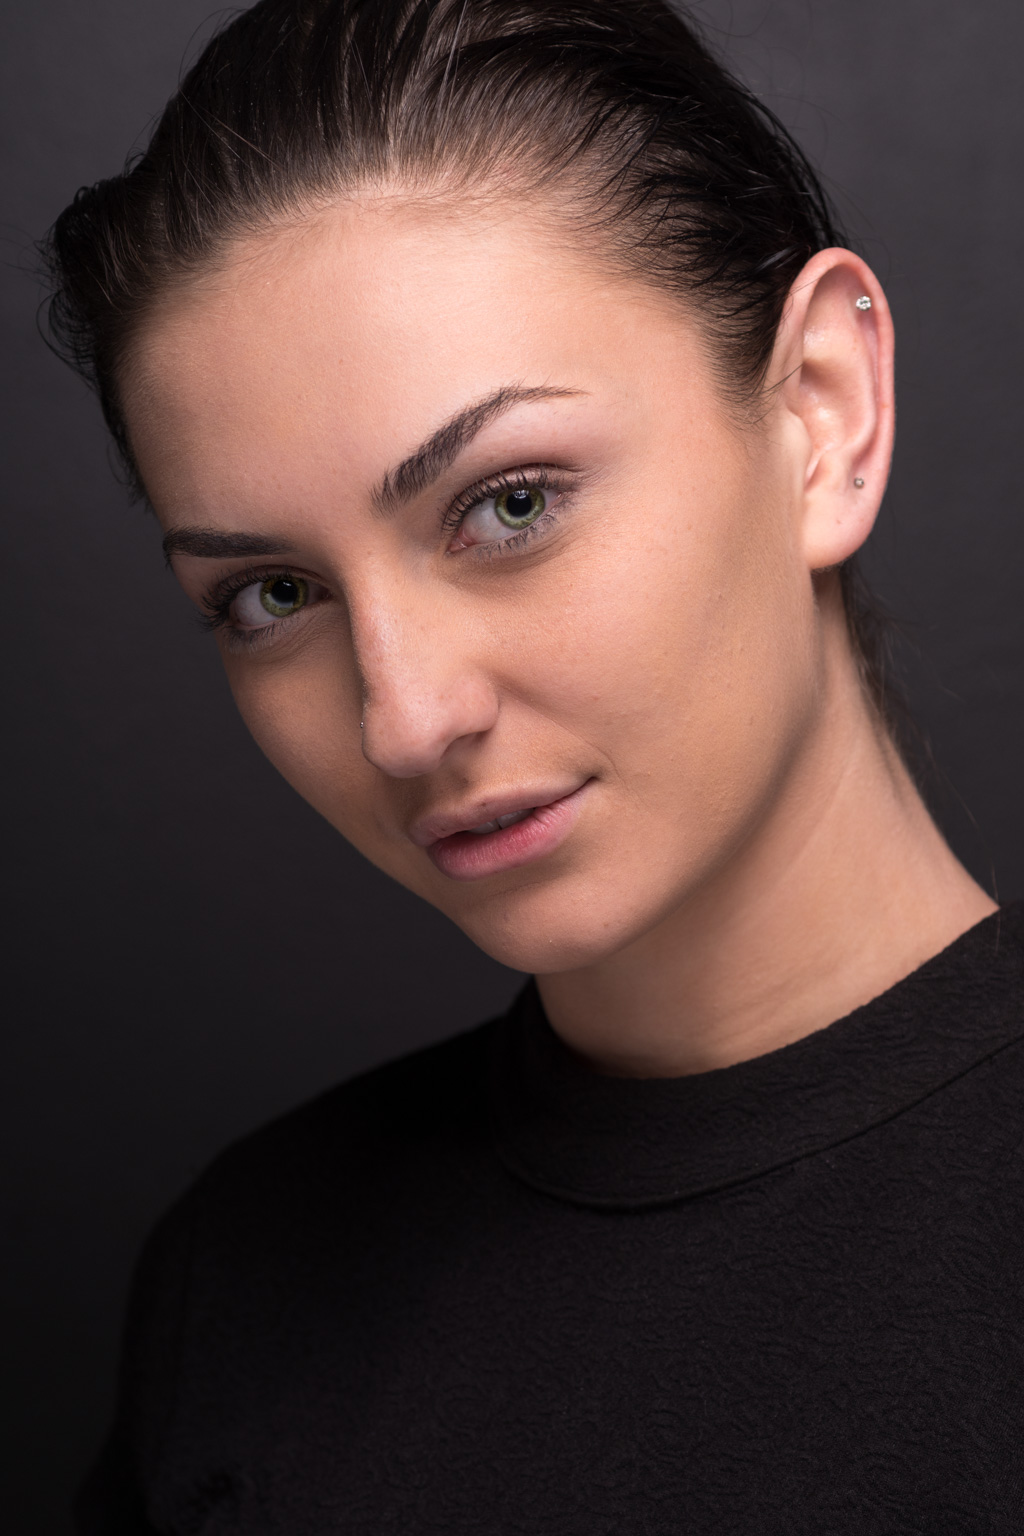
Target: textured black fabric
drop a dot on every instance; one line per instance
(483, 1290)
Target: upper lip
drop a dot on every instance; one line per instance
(431, 829)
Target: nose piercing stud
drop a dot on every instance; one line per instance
(859, 483)
(863, 302)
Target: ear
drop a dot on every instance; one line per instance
(834, 361)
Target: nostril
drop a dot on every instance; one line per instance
(406, 733)
(401, 758)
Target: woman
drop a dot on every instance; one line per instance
(514, 413)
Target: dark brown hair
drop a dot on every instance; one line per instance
(665, 162)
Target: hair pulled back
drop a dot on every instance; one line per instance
(663, 161)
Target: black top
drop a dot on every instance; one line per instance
(484, 1290)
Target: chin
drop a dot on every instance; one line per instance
(548, 929)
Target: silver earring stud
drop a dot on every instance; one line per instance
(859, 483)
(863, 302)
(361, 723)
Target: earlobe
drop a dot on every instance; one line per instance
(835, 359)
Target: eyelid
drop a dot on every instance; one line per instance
(546, 477)
(219, 594)
(217, 599)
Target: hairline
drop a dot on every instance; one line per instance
(244, 246)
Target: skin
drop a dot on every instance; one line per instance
(748, 859)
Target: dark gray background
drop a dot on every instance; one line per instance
(190, 949)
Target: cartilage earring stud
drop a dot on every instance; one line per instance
(863, 302)
(361, 722)
(859, 483)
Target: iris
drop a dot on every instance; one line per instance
(519, 508)
(282, 595)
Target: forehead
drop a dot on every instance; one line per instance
(329, 345)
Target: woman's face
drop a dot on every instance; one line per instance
(483, 541)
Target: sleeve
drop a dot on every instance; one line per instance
(114, 1498)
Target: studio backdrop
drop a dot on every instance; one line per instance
(189, 949)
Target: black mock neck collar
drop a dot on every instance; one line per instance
(626, 1143)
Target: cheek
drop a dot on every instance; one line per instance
(303, 714)
(678, 624)
(685, 660)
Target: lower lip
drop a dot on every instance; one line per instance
(471, 856)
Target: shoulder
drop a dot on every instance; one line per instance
(404, 1132)
(326, 1196)
(419, 1107)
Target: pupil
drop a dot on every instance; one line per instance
(520, 503)
(282, 595)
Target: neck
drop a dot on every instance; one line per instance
(845, 887)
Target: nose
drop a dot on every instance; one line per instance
(423, 689)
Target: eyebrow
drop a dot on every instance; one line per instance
(212, 544)
(440, 450)
(399, 485)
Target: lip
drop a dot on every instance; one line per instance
(464, 855)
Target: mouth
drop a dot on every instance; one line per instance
(519, 834)
(501, 822)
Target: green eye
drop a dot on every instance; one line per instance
(519, 508)
(282, 595)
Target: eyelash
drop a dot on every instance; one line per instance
(217, 602)
(217, 605)
(541, 479)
